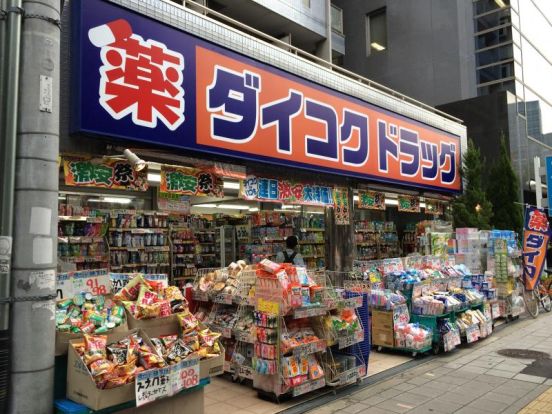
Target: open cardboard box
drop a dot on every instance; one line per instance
(63, 338)
(154, 327)
(81, 387)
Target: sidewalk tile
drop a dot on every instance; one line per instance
(499, 373)
(404, 387)
(488, 405)
(440, 406)
(394, 406)
(355, 408)
(530, 378)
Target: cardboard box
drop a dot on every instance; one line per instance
(81, 387)
(212, 367)
(383, 337)
(63, 338)
(185, 402)
(154, 327)
(382, 319)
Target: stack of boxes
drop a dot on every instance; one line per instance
(469, 249)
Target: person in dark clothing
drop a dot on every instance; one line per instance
(290, 254)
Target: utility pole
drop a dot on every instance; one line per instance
(34, 258)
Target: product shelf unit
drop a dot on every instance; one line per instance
(139, 241)
(82, 244)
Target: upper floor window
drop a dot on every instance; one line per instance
(337, 19)
(376, 31)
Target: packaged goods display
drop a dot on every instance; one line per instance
(88, 314)
(146, 299)
(115, 364)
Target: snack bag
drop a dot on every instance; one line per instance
(315, 370)
(173, 293)
(146, 296)
(94, 348)
(131, 290)
(188, 322)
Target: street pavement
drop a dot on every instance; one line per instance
(473, 379)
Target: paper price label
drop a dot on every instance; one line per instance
(186, 374)
(267, 306)
(120, 280)
(152, 385)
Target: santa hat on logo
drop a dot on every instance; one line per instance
(108, 33)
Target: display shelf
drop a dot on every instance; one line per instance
(309, 348)
(308, 312)
(85, 259)
(345, 341)
(308, 386)
(86, 219)
(306, 230)
(347, 377)
(80, 239)
(139, 230)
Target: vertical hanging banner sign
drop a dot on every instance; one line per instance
(410, 204)
(373, 200)
(178, 181)
(341, 205)
(142, 80)
(536, 234)
(112, 174)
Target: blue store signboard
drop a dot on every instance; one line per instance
(138, 79)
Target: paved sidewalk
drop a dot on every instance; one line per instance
(471, 380)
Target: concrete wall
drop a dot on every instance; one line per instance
(430, 54)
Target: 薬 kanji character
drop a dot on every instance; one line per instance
(281, 113)
(448, 151)
(176, 181)
(123, 173)
(355, 121)
(235, 95)
(141, 78)
(387, 145)
(538, 221)
(86, 172)
(409, 146)
(322, 147)
(429, 155)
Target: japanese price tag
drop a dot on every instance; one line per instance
(93, 281)
(185, 374)
(152, 385)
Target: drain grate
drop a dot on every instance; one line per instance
(523, 354)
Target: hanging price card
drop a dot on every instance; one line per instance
(268, 306)
(472, 333)
(152, 385)
(120, 280)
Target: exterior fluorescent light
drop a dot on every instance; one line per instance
(154, 177)
(391, 202)
(206, 205)
(423, 205)
(254, 209)
(113, 200)
(231, 185)
(377, 46)
(233, 206)
(117, 200)
(355, 198)
(500, 3)
(291, 207)
(137, 163)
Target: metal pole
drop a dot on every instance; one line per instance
(9, 96)
(35, 236)
(538, 181)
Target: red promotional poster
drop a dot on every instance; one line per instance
(536, 234)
